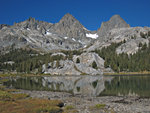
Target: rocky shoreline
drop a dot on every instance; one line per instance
(83, 104)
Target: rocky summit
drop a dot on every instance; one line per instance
(115, 22)
(69, 34)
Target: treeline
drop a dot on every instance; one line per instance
(140, 61)
(23, 60)
(28, 61)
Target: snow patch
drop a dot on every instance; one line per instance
(73, 39)
(94, 36)
(38, 28)
(85, 46)
(80, 41)
(28, 29)
(65, 37)
(48, 33)
(28, 40)
(31, 40)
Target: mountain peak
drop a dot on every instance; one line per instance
(115, 22)
(68, 14)
(69, 26)
(31, 19)
(115, 16)
(117, 19)
(68, 18)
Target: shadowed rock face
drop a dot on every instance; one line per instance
(70, 27)
(115, 22)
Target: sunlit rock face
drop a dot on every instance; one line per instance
(79, 65)
(67, 34)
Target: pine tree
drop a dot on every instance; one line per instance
(78, 60)
(94, 65)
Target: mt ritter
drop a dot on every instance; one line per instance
(67, 34)
(70, 35)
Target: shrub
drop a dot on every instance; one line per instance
(50, 109)
(78, 89)
(5, 95)
(94, 83)
(19, 96)
(94, 65)
(100, 106)
(69, 107)
(97, 106)
(140, 44)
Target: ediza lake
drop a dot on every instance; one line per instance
(76, 94)
(132, 85)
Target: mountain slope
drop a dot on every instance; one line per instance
(68, 34)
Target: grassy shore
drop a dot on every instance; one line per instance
(22, 74)
(11, 101)
(115, 73)
(22, 103)
(128, 73)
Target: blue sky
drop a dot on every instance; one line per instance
(89, 12)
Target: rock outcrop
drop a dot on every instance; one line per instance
(81, 65)
(132, 46)
(65, 67)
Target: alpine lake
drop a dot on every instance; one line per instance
(119, 85)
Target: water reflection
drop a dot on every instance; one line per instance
(128, 86)
(83, 85)
(87, 85)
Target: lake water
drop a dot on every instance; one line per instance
(77, 85)
(87, 85)
(137, 85)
